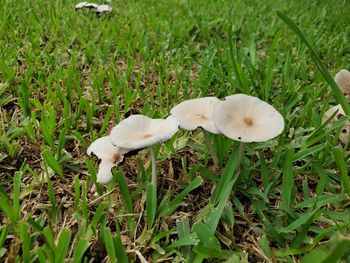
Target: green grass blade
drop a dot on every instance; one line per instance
(151, 204)
(16, 195)
(214, 218)
(52, 196)
(207, 240)
(287, 179)
(124, 190)
(76, 192)
(61, 141)
(306, 152)
(225, 177)
(106, 120)
(300, 221)
(52, 162)
(83, 203)
(79, 250)
(339, 160)
(26, 242)
(174, 204)
(50, 239)
(236, 67)
(108, 240)
(98, 214)
(333, 251)
(189, 240)
(120, 250)
(6, 208)
(3, 235)
(63, 245)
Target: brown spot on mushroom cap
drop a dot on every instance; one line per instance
(344, 130)
(146, 136)
(248, 121)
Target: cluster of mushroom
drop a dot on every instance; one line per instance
(96, 8)
(240, 117)
(342, 78)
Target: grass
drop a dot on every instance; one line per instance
(67, 77)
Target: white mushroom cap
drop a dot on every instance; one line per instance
(109, 155)
(91, 5)
(138, 131)
(80, 5)
(103, 9)
(342, 78)
(195, 113)
(344, 133)
(86, 5)
(247, 119)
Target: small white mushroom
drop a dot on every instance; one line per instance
(109, 155)
(103, 9)
(344, 133)
(247, 119)
(86, 5)
(342, 78)
(138, 131)
(195, 113)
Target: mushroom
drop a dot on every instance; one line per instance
(103, 9)
(109, 155)
(247, 119)
(342, 78)
(195, 113)
(86, 5)
(344, 133)
(138, 132)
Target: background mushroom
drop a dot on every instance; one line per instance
(247, 119)
(344, 132)
(342, 78)
(109, 155)
(195, 113)
(103, 9)
(86, 5)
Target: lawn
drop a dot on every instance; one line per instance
(68, 77)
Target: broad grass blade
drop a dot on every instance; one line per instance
(151, 204)
(124, 190)
(52, 162)
(338, 154)
(63, 245)
(287, 179)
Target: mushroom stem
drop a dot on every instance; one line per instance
(240, 157)
(154, 170)
(211, 149)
